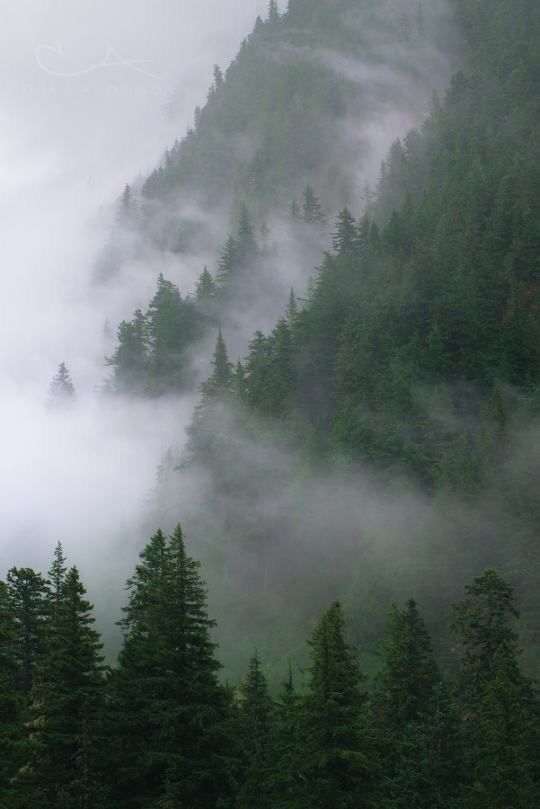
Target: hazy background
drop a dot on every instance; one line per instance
(76, 124)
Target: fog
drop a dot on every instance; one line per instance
(86, 109)
(84, 102)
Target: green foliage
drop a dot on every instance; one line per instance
(172, 713)
(152, 356)
(339, 757)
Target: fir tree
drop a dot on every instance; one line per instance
(246, 245)
(228, 263)
(67, 704)
(205, 290)
(339, 764)
(219, 383)
(26, 592)
(273, 12)
(130, 361)
(11, 702)
(255, 729)
(415, 716)
(311, 208)
(62, 388)
(172, 711)
(292, 307)
(345, 238)
(499, 704)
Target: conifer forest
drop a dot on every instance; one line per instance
(270, 374)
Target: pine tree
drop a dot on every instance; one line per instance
(172, 713)
(292, 307)
(311, 208)
(205, 290)
(345, 238)
(499, 706)
(26, 592)
(255, 729)
(11, 702)
(410, 673)
(246, 244)
(287, 781)
(273, 12)
(339, 763)
(67, 703)
(130, 361)
(416, 719)
(219, 383)
(227, 265)
(62, 388)
(218, 77)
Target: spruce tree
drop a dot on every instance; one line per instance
(340, 766)
(227, 265)
(172, 714)
(246, 245)
(501, 712)
(311, 208)
(345, 238)
(219, 383)
(205, 290)
(26, 592)
(130, 361)
(11, 701)
(67, 704)
(287, 781)
(255, 729)
(417, 722)
(61, 388)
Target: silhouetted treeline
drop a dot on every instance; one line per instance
(160, 729)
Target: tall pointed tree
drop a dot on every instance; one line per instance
(255, 729)
(11, 701)
(311, 207)
(340, 764)
(67, 703)
(415, 717)
(62, 388)
(345, 237)
(173, 742)
(498, 702)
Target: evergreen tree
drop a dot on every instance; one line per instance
(339, 764)
(11, 702)
(26, 592)
(410, 673)
(417, 721)
(227, 265)
(345, 238)
(62, 388)
(130, 361)
(172, 713)
(292, 307)
(218, 77)
(255, 729)
(219, 383)
(246, 245)
(287, 783)
(67, 703)
(273, 12)
(499, 704)
(205, 291)
(311, 208)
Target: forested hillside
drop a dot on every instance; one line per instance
(367, 441)
(385, 432)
